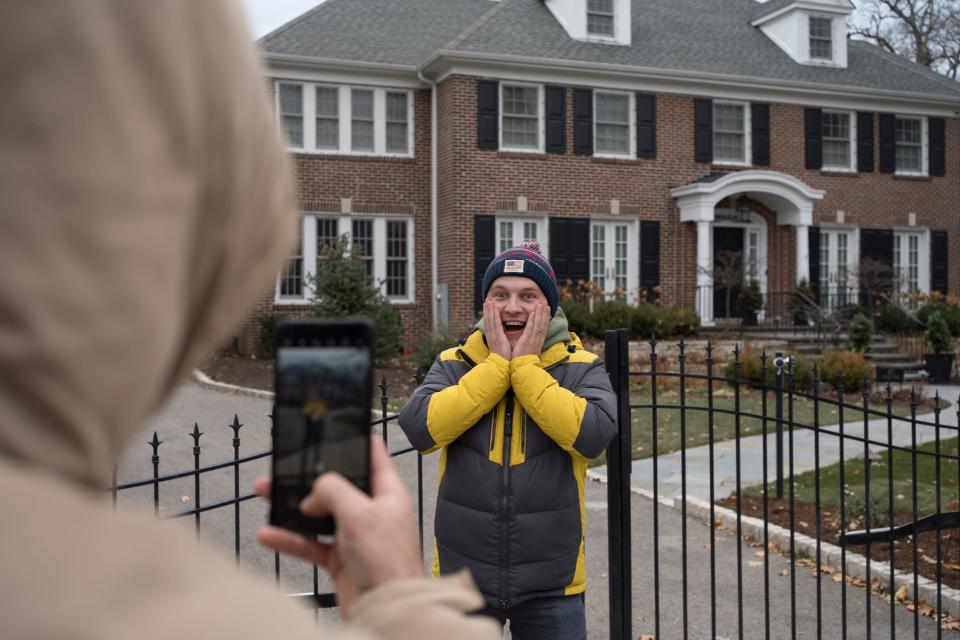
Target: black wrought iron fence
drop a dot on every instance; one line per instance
(241, 494)
(843, 459)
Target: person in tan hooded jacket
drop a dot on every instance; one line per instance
(144, 202)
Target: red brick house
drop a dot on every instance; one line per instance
(636, 140)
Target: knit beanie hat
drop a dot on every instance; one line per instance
(525, 260)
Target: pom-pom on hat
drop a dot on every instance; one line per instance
(525, 260)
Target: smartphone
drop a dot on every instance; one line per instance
(322, 413)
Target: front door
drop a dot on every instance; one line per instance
(727, 270)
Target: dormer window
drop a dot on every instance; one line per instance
(600, 18)
(821, 43)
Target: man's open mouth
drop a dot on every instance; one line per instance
(513, 326)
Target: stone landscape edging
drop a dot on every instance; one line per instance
(830, 554)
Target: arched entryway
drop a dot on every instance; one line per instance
(790, 199)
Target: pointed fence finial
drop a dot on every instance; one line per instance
(196, 433)
(235, 425)
(155, 443)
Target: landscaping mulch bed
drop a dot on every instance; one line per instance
(255, 373)
(805, 523)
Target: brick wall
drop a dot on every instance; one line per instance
(374, 185)
(474, 181)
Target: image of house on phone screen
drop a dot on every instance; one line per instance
(639, 142)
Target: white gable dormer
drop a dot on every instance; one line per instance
(811, 32)
(606, 21)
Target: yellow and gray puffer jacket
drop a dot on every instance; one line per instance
(516, 437)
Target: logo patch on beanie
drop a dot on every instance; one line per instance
(513, 266)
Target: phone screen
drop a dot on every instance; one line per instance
(322, 423)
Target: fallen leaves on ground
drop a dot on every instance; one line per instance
(902, 594)
(755, 563)
(784, 573)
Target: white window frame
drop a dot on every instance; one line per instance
(518, 222)
(900, 236)
(632, 293)
(345, 117)
(308, 251)
(833, 46)
(541, 120)
(853, 262)
(631, 124)
(747, 134)
(304, 89)
(924, 145)
(613, 21)
(852, 128)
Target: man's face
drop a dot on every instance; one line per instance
(515, 298)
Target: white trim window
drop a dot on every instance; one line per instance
(838, 267)
(325, 118)
(911, 139)
(521, 117)
(512, 230)
(911, 261)
(731, 132)
(290, 285)
(839, 141)
(613, 124)
(612, 243)
(398, 119)
(290, 108)
(821, 38)
(600, 18)
(384, 243)
(328, 118)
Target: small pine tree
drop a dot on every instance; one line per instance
(341, 288)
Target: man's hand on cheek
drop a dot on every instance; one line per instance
(534, 334)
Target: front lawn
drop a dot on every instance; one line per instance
(724, 422)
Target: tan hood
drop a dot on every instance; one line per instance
(144, 203)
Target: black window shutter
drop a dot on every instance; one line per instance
(865, 160)
(484, 251)
(938, 262)
(813, 136)
(583, 121)
(646, 125)
(570, 249)
(888, 147)
(488, 114)
(649, 258)
(876, 245)
(760, 116)
(813, 261)
(556, 108)
(938, 154)
(703, 130)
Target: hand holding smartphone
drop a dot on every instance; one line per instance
(324, 383)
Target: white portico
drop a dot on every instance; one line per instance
(791, 199)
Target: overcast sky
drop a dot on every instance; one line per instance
(266, 15)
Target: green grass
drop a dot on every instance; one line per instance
(724, 424)
(805, 484)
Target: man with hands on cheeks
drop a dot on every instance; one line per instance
(517, 409)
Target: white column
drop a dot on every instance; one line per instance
(803, 253)
(704, 273)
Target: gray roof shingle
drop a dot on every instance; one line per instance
(682, 35)
(402, 32)
(769, 7)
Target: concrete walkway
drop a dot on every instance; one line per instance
(751, 452)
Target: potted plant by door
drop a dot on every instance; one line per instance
(749, 303)
(939, 364)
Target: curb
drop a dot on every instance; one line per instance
(207, 382)
(830, 554)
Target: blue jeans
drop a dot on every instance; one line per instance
(554, 618)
